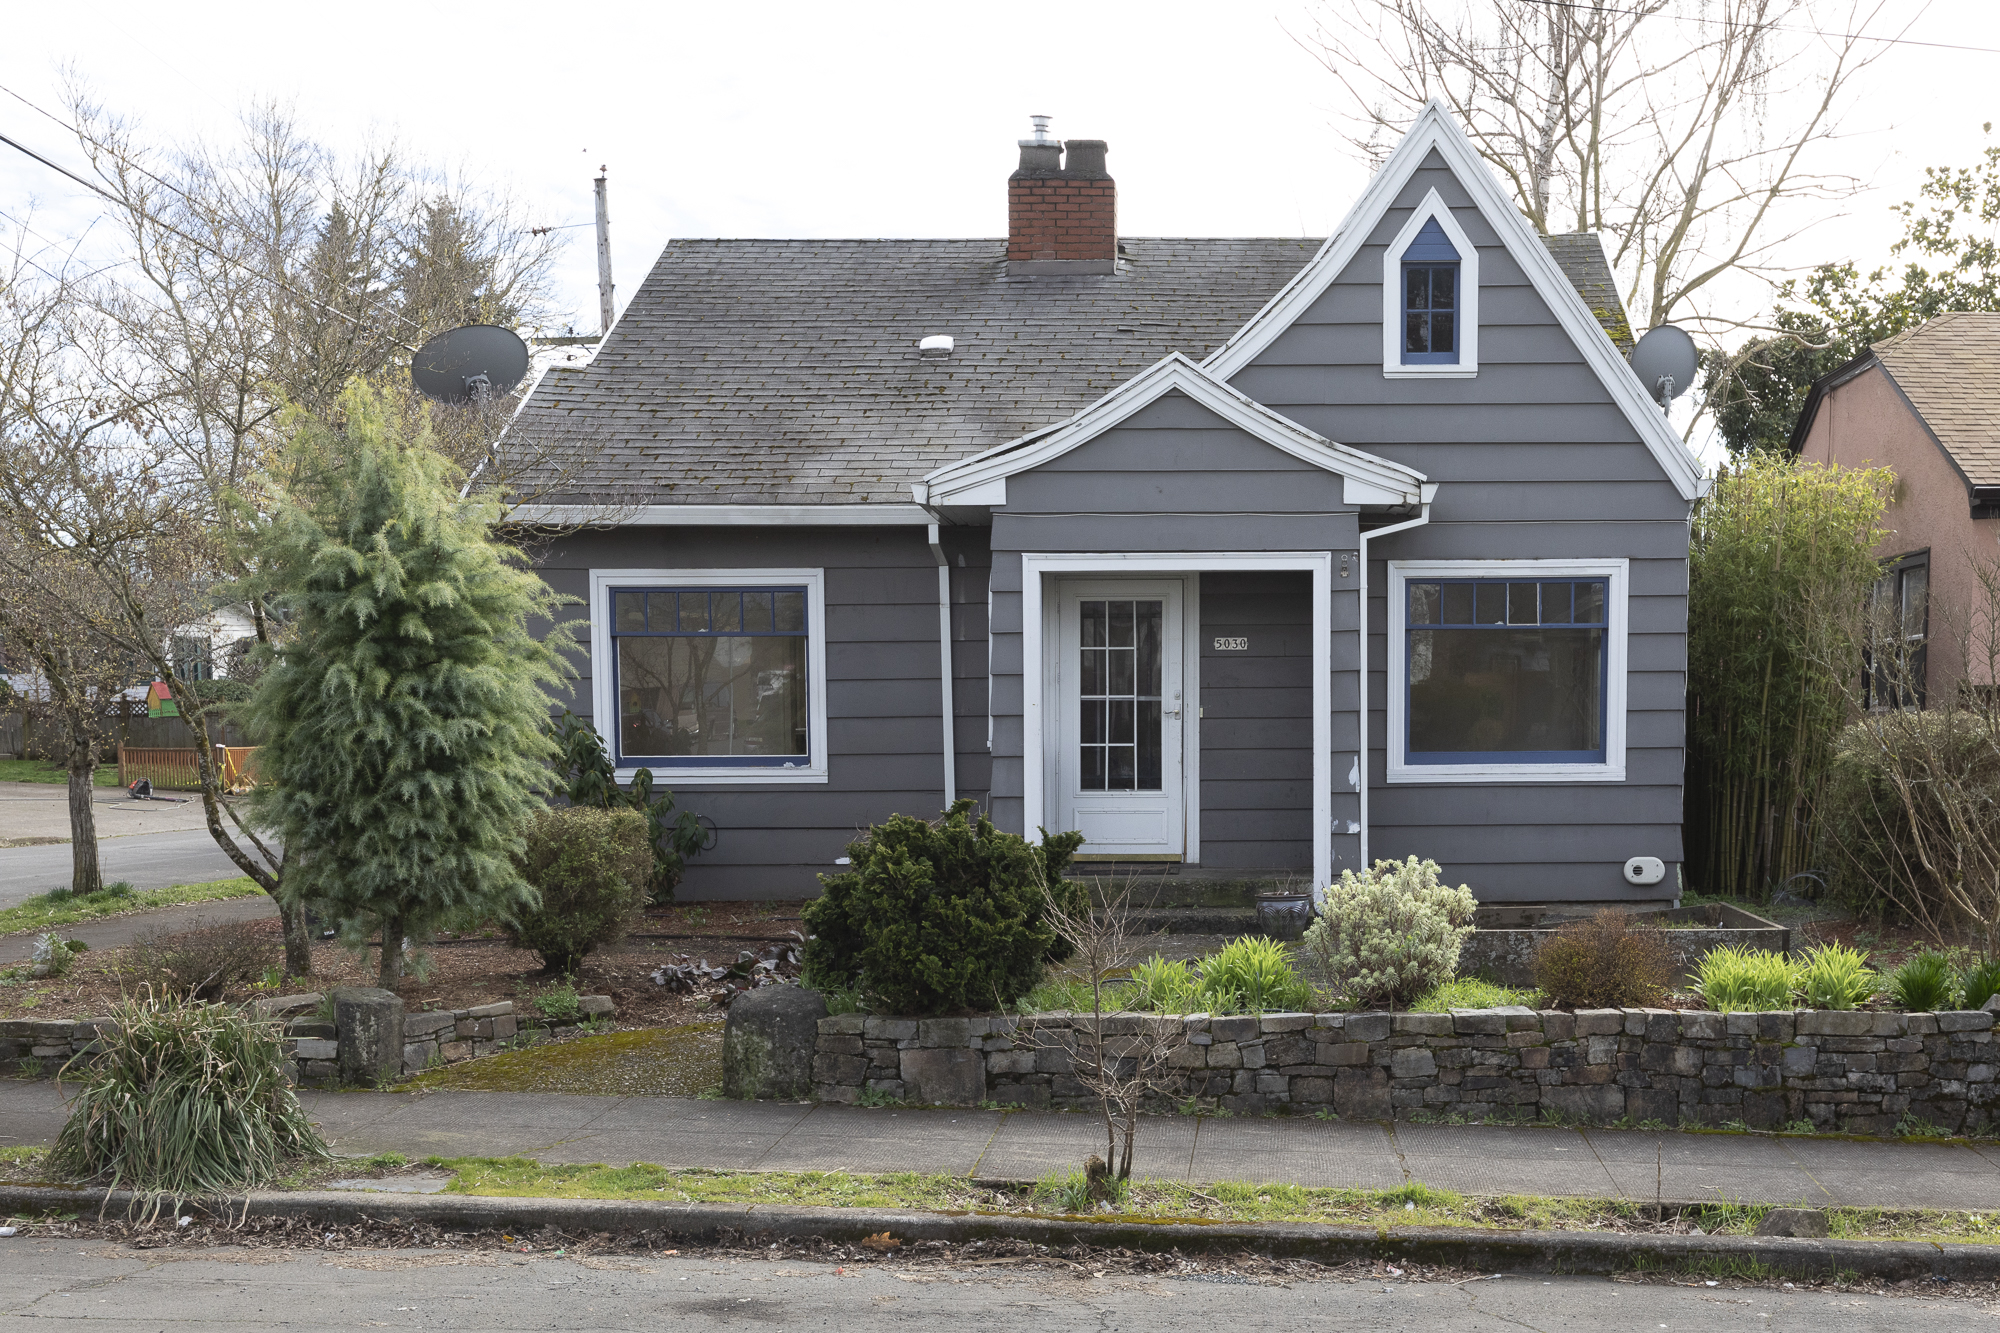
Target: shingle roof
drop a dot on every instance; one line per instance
(1949, 369)
(1580, 255)
(787, 372)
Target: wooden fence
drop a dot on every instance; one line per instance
(171, 769)
(126, 724)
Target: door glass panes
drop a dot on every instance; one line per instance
(1118, 685)
(1506, 670)
(711, 674)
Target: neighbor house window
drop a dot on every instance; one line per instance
(1430, 299)
(1518, 672)
(1900, 625)
(714, 676)
(193, 658)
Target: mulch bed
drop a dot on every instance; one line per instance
(474, 970)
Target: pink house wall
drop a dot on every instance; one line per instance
(1867, 423)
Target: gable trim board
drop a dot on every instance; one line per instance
(1434, 131)
(603, 674)
(1467, 365)
(982, 479)
(1037, 717)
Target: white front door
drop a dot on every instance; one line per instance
(1118, 676)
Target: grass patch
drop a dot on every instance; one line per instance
(60, 908)
(1472, 993)
(36, 770)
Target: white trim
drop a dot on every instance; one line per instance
(1034, 778)
(1191, 715)
(1616, 573)
(1369, 479)
(604, 703)
(1435, 130)
(727, 516)
(1467, 365)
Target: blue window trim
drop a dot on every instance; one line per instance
(1432, 358)
(708, 761)
(1597, 756)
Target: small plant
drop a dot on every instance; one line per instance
(1732, 978)
(1925, 983)
(589, 869)
(53, 955)
(1834, 976)
(1392, 933)
(201, 964)
(1472, 993)
(875, 1097)
(1982, 983)
(1605, 962)
(1252, 975)
(117, 888)
(559, 1004)
(184, 1100)
(940, 916)
(1165, 986)
(31, 1067)
(1085, 1191)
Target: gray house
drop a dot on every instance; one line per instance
(1252, 555)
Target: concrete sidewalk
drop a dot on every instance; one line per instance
(1472, 1159)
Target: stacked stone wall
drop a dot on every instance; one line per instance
(1850, 1071)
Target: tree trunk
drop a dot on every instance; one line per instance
(298, 940)
(85, 877)
(392, 951)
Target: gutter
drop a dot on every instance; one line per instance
(1428, 493)
(944, 666)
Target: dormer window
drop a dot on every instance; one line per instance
(1430, 297)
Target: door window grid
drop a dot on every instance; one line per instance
(1119, 693)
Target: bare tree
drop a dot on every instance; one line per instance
(1678, 130)
(1121, 1058)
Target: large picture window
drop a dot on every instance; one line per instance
(711, 674)
(1507, 673)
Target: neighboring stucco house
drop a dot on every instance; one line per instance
(1926, 404)
(1255, 555)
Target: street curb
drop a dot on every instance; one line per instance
(1480, 1250)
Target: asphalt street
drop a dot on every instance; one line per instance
(148, 860)
(102, 1285)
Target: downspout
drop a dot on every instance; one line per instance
(944, 666)
(1427, 491)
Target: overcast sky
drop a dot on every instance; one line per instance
(857, 119)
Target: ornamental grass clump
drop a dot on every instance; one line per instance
(184, 1100)
(1925, 983)
(1732, 978)
(1981, 983)
(1605, 962)
(1834, 976)
(1251, 975)
(1388, 935)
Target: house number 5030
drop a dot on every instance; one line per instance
(1232, 645)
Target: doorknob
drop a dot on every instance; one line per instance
(1173, 712)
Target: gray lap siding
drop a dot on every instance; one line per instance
(884, 715)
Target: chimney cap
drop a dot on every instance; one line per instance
(1042, 137)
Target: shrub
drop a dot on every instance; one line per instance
(1834, 976)
(589, 869)
(937, 916)
(184, 1099)
(1982, 983)
(201, 964)
(1165, 986)
(1391, 933)
(1924, 984)
(1605, 962)
(1734, 979)
(1251, 975)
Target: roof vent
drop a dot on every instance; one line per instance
(937, 347)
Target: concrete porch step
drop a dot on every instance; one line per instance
(1158, 887)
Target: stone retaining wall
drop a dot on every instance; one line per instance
(1851, 1071)
(40, 1047)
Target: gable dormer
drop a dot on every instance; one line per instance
(1430, 298)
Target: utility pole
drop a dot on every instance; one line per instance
(604, 305)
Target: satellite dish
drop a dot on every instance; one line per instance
(1665, 362)
(469, 363)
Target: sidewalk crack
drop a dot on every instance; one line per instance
(973, 1171)
(1598, 1157)
(789, 1130)
(1806, 1171)
(1396, 1147)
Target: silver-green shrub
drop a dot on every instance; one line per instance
(1388, 935)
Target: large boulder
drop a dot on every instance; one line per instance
(769, 1041)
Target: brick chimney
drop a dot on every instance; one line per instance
(1062, 217)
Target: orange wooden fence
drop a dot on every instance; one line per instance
(169, 769)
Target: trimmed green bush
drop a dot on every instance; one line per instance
(1392, 933)
(1982, 983)
(589, 869)
(1732, 978)
(1251, 975)
(1925, 983)
(183, 1100)
(938, 916)
(1605, 962)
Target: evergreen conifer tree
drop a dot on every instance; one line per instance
(402, 724)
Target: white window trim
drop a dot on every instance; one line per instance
(604, 701)
(1617, 575)
(1467, 365)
